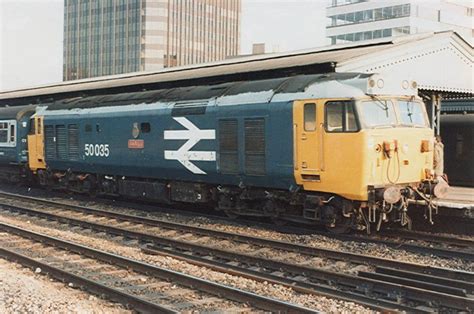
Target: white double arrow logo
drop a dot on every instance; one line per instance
(193, 135)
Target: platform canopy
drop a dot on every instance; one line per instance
(440, 62)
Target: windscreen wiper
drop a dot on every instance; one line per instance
(381, 104)
(409, 113)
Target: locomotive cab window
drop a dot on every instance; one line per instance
(350, 118)
(340, 117)
(39, 127)
(310, 117)
(378, 113)
(32, 127)
(412, 114)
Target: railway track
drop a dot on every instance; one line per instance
(432, 244)
(458, 243)
(389, 284)
(413, 241)
(416, 242)
(408, 240)
(143, 287)
(440, 245)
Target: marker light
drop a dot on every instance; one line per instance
(380, 83)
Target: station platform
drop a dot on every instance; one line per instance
(458, 198)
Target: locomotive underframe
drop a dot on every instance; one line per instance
(336, 213)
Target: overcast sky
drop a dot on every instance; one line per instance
(31, 35)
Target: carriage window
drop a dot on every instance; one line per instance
(340, 117)
(145, 127)
(12, 133)
(3, 132)
(309, 117)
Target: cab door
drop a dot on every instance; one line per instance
(307, 143)
(36, 144)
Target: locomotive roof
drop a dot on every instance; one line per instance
(261, 91)
(16, 112)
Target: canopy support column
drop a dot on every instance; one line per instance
(436, 112)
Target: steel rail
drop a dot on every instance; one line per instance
(416, 293)
(429, 237)
(410, 247)
(189, 281)
(283, 245)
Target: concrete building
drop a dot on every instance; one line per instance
(119, 36)
(356, 20)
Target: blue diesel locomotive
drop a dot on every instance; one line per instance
(346, 150)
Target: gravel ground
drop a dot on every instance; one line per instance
(267, 289)
(25, 291)
(121, 278)
(279, 292)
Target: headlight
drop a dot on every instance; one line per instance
(392, 195)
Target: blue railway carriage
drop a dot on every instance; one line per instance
(14, 127)
(343, 149)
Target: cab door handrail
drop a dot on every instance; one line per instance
(321, 146)
(295, 145)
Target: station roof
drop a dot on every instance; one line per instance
(416, 57)
(438, 62)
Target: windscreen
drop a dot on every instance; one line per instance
(378, 113)
(392, 113)
(412, 113)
